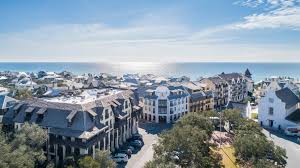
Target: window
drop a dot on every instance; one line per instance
(162, 103)
(271, 100)
(153, 102)
(271, 110)
(171, 103)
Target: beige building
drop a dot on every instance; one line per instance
(201, 98)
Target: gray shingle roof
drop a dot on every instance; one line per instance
(200, 96)
(294, 117)
(5, 100)
(216, 80)
(230, 76)
(288, 97)
(85, 117)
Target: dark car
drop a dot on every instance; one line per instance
(137, 136)
(136, 143)
(131, 148)
(126, 151)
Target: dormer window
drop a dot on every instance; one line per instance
(69, 124)
(126, 104)
(28, 112)
(70, 117)
(40, 117)
(40, 114)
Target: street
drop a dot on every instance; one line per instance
(290, 144)
(150, 133)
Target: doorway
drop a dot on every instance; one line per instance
(271, 122)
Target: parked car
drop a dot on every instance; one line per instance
(120, 158)
(292, 131)
(136, 143)
(137, 136)
(126, 151)
(131, 148)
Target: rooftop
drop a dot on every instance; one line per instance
(85, 97)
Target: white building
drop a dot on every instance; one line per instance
(165, 103)
(25, 84)
(276, 83)
(245, 108)
(279, 109)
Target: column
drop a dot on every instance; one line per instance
(93, 151)
(56, 156)
(124, 133)
(108, 145)
(113, 140)
(64, 152)
(104, 144)
(117, 139)
(168, 119)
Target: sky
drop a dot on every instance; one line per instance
(150, 31)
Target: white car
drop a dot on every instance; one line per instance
(120, 158)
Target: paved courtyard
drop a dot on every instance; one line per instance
(290, 144)
(150, 133)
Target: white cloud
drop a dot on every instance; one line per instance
(277, 14)
(249, 3)
(151, 39)
(99, 42)
(279, 18)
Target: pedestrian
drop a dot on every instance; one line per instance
(270, 134)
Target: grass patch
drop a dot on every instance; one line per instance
(228, 158)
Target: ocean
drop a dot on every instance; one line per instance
(193, 70)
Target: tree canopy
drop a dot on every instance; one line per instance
(23, 94)
(234, 116)
(252, 147)
(88, 162)
(186, 144)
(102, 160)
(25, 149)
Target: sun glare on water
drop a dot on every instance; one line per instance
(139, 67)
